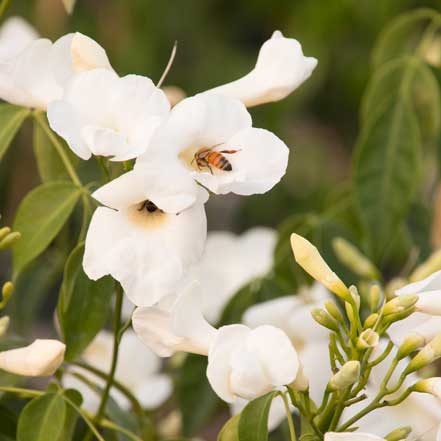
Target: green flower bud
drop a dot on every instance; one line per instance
(393, 286)
(427, 355)
(324, 319)
(346, 376)
(334, 311)
(391, 318)
(367, 339)
(410, 344)
(374, 297)
(4, 232)
(429, 386)
(399, 304)
(431, 265)
(398, 434)
(371, 321)
(4, 325)
(354, 259)
(7, 290)
(9, 240)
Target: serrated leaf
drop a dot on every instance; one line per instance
(11, 119)
(83, 305)
(40, 217)
(50, 166)
(386, 165)
(42, 419)
(230, 431)
(253, 422)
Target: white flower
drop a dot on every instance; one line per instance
(15, 34)
(351, 436)
(280, 69)
(247, 363)
(229, 262)
(105, 115)
(175, 324)
(141, 241)
(36, 75)
(426, 322)
(209, 139)
(40, 359)
(138, 370)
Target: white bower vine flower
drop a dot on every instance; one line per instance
(142, 240)
(15, 34)
(351, 436)
(41, 358)
(281, 68)
(244, 257)
(105, 115)
(209, 139)
(36, 75)
(426, 321)
(242, 362)
(138, 370)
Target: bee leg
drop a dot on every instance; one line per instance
(209, 167)
(229, 152)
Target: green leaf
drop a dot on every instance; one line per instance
(83, 305)
(197, 401)
(253, 423)
(11, 119)
(42, 419)
(230, 431)
(71, 417)
(50, 166)
(386, 166)
(8, 424)
(40, 217)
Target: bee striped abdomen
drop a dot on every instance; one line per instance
(219, 161)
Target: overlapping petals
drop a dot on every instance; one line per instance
(257, 158)
(15, 34)
(281, 68)
(105, 115)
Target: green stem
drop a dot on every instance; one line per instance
(3, 6)
(292, 431)
(21, 391)
(112, 426)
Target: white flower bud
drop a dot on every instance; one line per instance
(399, 304)
(427, 355)
(4, 325)
(41, 358)
(346, 376)
(429, 385)
(368, 339)
(308, 257)
(301, 383)
(411, 343)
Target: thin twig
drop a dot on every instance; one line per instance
(169, 64)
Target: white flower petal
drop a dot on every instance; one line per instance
(15, 34)
(429, 302)
(154, 390)
(430, 283)
(259, 164)
(281, 67)
(351, 436)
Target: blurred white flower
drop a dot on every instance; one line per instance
(426, 322)
(105, 115)
(141, 241)
(138, 370)
(15, 34)
(36, 75)
(175, 324)
(40, 359)
(229, 262)
(209, 139)
(351, 436)
(281, 68)
(247, 363)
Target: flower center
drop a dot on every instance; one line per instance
(147, 215)
(148, 206)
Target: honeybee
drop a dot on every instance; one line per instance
(207, 157)
(149, 206)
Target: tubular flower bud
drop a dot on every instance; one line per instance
(411, 343)
(398, 434)
(4, 324)
(301, 383)
(7, 290)
(431, 265)
(371, 321)
(399, 304)
(368, 339)
(430, 386)
(40, 359)
(394, 285)
(308, 257)
(374, 297)
(4, 232)
(324, 319)
(346, 376)
(427, 355)
(9, 240)
(334, 311)
(353, 259)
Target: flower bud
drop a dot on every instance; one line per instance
(391, 318)
(4, 325)
(9, 240)
(324, 319)
(394, 285)
(399, 434)
(427, 355)
(41, 358)
(334, 311)
(399, 304)
(4, 232)
(354, 259)
(301, 383)
(308, 257)
(374, 297)
(371, 321)
(7, 290)
(367, 339)
(430, 386)
(410, 344)
(430, 266)
(346, 376)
